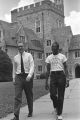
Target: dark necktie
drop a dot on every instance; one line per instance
(22, 65)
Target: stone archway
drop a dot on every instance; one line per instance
(77, 71)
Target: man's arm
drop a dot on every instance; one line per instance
(66, 69)
(47, 75)
(14, 70)
(66, 73)
(31, 71)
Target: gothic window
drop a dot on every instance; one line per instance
(59, 23)
(39, 55)
(37, 26)
(22, 38)
(48, 42)
(40, 68)
(77, 54)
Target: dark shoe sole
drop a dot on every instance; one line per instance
(29, 115)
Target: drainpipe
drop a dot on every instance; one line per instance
(43, 42)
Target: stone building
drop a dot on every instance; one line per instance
(11, 33)
(39, 25)
(7, 37)
(41, 17)
(74, 56)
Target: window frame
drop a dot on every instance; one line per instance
(77, 54)
(22, 38)
(48, 42)
(38, 26)
(39, 68)
(59, 23)
(39, 55)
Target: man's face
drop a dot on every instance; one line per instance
(55, 49)
(21, 47)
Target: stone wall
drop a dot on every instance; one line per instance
(33, 8)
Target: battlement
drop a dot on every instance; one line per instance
(36, 5)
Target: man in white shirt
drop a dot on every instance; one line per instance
(57, 69)
(23, 72)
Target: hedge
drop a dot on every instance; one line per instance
(5, 67)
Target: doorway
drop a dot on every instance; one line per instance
(77, 71)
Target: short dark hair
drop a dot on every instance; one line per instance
(57, 44)
(20, 44)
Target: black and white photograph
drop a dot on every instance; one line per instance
(39, 59)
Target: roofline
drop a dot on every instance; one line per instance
(11, 45)
(36, 50)
(28, 48)
(74, 49)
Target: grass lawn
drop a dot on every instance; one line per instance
(7, 95)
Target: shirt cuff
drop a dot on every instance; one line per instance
(13, 76)
(29, 75)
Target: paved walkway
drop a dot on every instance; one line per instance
(43, 109)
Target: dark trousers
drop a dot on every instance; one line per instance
(57, 89)
(20, 85)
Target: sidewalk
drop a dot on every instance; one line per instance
(43, 109)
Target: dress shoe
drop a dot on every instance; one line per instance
(59, 118)
(30, 115)
(15, 118)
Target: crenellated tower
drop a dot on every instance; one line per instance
(54, 1)
(59, 2)
(42, 16)
(37, 1)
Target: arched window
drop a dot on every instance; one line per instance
(48, 42)
(59, 23)
(38, 26)
(77, 53)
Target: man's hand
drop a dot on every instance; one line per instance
(47, 86)
(14, 80)
(28, 78)
(67, 83)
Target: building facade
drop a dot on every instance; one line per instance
(38, 25)
(11, 34)
(41, 17)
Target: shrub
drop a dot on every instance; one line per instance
(5, 67)
(43, 75)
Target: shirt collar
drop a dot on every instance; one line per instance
(22, 53)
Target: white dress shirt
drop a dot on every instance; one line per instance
(27, 61)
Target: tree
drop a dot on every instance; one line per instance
(5, 67)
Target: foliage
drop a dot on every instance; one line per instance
(7, 95)
(5, 67)
(43, 75)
